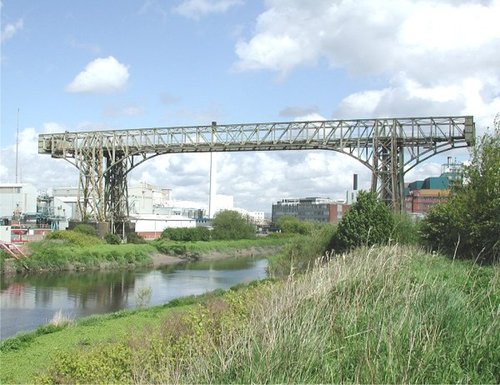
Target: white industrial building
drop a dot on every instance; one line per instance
(69, 197)
(150, 226)
(17, 199)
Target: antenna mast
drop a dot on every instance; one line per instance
(17, 145)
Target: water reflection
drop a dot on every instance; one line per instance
(30, 301)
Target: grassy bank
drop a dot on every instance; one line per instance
(79, 252)
(51, 255)
(200, 248)
(385, 315)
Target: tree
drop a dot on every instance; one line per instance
(468, 224)
(368, 222)
(229, 224)
(293, 225)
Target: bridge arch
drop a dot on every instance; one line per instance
(389, 147)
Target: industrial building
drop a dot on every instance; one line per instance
(150, 226)
(17, 198)
(422, 195)
(316, 209)
(29, 214)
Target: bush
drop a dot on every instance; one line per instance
(135, 238)
(187, 234)
(112, 239)
(368, 222)
(229, 224)
(405, 229)
(291, 225)
(74, 237)
(468, 224)
(86, 229)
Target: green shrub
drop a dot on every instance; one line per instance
(229, 224)
(85, 228)
(368, 222)
(135, 238)
(468, 224)
(74, 237)
(112, 239)
(187, 234)
(170, 247)
(292, 225)
(406, 229)
(108, 364)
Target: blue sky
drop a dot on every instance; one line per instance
(109, 64)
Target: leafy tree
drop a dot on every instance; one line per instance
(368, 222)
(292, 225)
(468, 224)
(229, 224)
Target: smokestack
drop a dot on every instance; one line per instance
(355, 182)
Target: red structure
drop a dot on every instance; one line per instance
(420, 201)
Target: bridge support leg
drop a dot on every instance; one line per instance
(116, 195)
(91, 186)
(388, 167)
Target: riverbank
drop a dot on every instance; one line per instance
(63, 256)
(160, 260)
(380, 315)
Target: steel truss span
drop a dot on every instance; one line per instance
(388, 147)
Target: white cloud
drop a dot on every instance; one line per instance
(40, 170)
(196, 9)
(102, 75)
(374, 36)
(313, 116)
(10, 29)
(440, 57)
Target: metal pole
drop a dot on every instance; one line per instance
(17, 145)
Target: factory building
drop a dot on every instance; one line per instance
(16, 199)
(422, 195)
(150, 226)
(316, 209)
(68, 196)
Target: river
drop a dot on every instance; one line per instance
(30, 301)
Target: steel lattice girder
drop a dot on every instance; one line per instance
(388, 147)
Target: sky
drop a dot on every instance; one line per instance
(115, 64)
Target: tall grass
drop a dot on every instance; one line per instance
(384, 315)
(301, 251)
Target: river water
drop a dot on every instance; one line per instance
(30, 301)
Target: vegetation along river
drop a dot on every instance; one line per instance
(30, 301)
